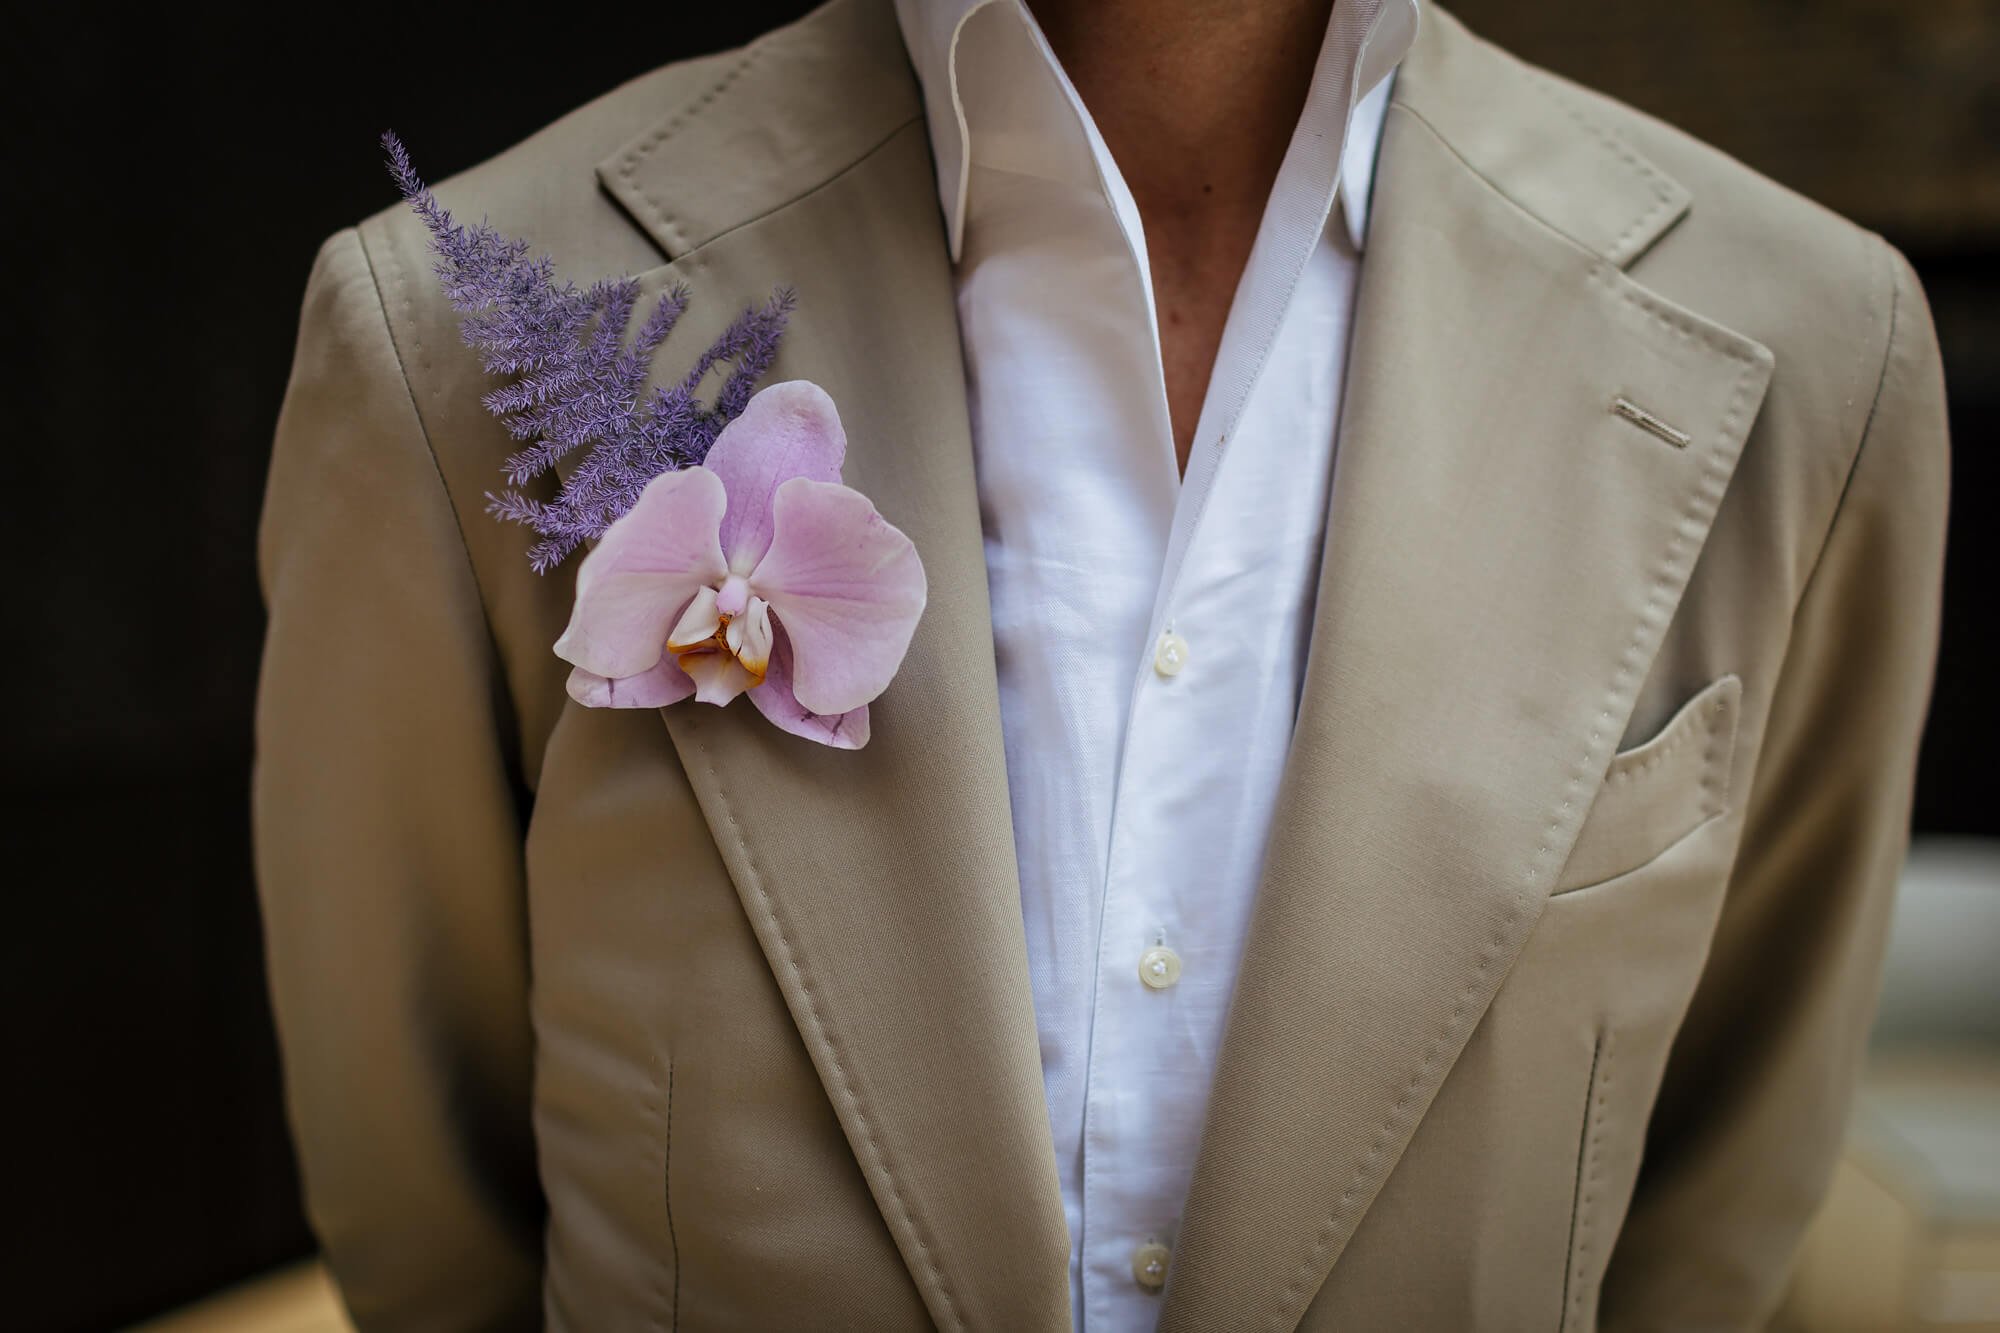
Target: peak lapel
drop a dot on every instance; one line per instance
(1503, 555)
(881, 882)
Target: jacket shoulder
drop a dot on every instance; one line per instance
(1684, 219)
(1839, 309)
(1736, 211)
(1832, 300)
(543, 190)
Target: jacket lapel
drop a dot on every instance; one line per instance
(881, 883)
(1504, 552)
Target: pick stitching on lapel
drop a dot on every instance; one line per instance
(881, 883)
(1504, 553)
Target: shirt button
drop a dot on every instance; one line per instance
(1170, 654)
(1159, 967)
(1149, 1265)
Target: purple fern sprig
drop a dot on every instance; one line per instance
(578, 386)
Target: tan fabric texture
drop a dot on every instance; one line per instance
(1571, 923)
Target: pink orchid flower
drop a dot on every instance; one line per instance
(756, 573)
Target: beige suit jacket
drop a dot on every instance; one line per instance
(1568, 939)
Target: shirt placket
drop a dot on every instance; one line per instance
(1142, 1063)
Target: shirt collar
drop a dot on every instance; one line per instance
(931, 30)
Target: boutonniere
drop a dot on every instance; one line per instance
(729, 559)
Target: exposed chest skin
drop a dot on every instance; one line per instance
(1198, 144)
(1197, 259)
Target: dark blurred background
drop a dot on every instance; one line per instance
(170, 177)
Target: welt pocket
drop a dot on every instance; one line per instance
(1658, 792)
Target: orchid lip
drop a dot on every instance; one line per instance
(714, 646)
(708, 628)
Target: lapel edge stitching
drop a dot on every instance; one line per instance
(823, 1040)
(677, 246)
(1671, 198)
(1676, 567)
(624, 163)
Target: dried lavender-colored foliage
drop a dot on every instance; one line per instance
(577, 385)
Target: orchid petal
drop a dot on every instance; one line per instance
(749, 637)
(776, 701)
(847, 587)
(718, 677)
(643, 572)
(664, 683)
(787, 430)
(698, 623)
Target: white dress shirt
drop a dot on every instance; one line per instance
(1150, 631)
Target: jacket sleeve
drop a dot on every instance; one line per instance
(1754, 1107)
(388, 844)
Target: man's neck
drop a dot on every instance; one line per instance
(1197, 101)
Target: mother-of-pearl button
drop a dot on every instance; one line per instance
(1149, 1265)
(1170, 654)
(1159, 967)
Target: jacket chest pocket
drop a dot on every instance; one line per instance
(1660, 791)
